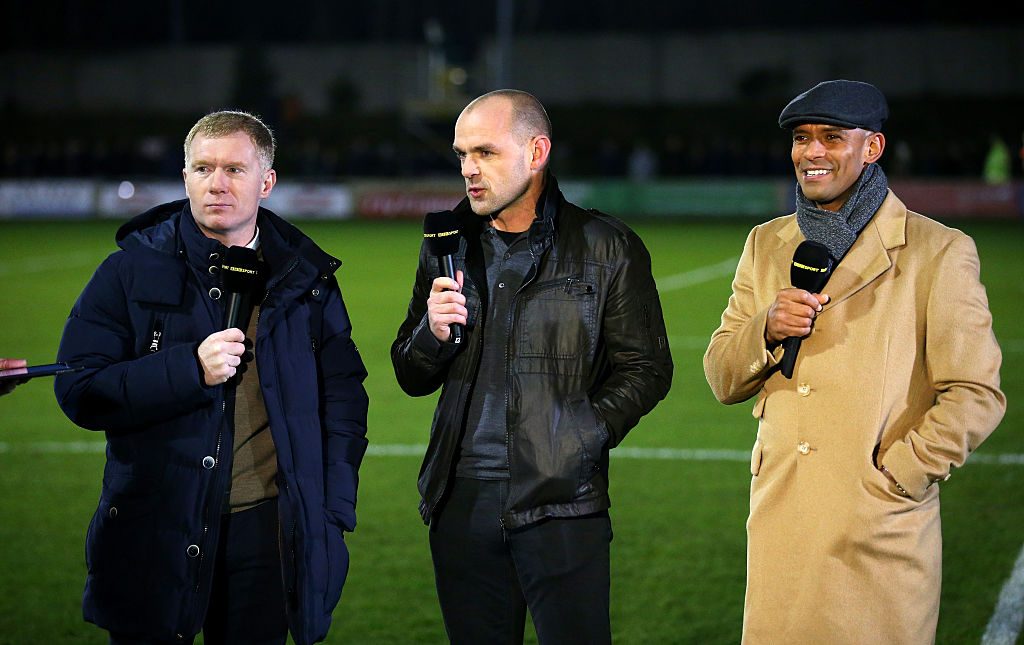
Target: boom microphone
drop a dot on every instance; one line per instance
(811, 269)
(441, 233)
(240, 277)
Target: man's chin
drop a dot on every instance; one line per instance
(815, 194)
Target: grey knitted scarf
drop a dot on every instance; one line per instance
(839, 230)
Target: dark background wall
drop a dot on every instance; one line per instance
(372, 88)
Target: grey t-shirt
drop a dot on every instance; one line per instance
(484, 449)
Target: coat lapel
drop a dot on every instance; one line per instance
(789, 237)
(869, 258)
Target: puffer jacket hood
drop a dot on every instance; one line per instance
(161, 228)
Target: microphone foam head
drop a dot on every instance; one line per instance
(812, 266)
(441, 232)
(240, 269)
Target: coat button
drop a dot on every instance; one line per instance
(214, 257)
(213, 269)
(209, 462)
(112, 512)
(803, 447)
(192, 550)
(804, 389)
(215, 293)
(316, 292)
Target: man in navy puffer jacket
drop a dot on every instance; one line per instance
(232, 454)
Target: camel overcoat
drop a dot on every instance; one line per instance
(901, 370)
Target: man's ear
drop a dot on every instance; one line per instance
(540, 150)
(875, 146)
(269, 180)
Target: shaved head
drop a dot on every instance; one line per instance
(529, 118)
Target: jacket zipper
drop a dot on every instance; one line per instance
(291, 594)
(157, 335)
(530, 277)
(444, 485)
(270, 287)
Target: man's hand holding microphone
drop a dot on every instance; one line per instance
(446, 306)
(223, 352)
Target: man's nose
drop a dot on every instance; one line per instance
(218, 181)
(469, 168)
(814, 149)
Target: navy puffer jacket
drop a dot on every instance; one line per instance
(135, 328)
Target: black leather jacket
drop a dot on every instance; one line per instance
(588, 356)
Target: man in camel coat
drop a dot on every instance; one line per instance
(895, 384)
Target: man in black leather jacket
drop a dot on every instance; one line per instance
(564, 350)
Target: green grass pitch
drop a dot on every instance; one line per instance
(678, 554)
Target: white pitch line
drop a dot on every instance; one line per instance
(698, 275)
(1005, 625)
(417, 450)
(681, 454)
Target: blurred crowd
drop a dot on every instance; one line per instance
(674, 156)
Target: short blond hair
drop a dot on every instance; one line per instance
(227, 122)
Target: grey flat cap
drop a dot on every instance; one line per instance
(848, 104)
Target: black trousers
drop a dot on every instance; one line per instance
(487, 576)
(247, 603)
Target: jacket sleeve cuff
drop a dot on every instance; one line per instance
(762, 357)
(427, 344)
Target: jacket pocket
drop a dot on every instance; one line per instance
(160, 328)
(592, 435)
(562, 317)
(119, 546)
(758, 411)
(755, 458)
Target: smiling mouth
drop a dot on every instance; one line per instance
(816, 173)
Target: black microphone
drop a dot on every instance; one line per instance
(240, 277)
(811, 269)
(441, 233)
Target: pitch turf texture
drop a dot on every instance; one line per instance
(678, 552)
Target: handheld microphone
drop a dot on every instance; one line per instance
(812, 267)
(240, 277)
(441, 233)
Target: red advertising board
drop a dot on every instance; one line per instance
(950, 198)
